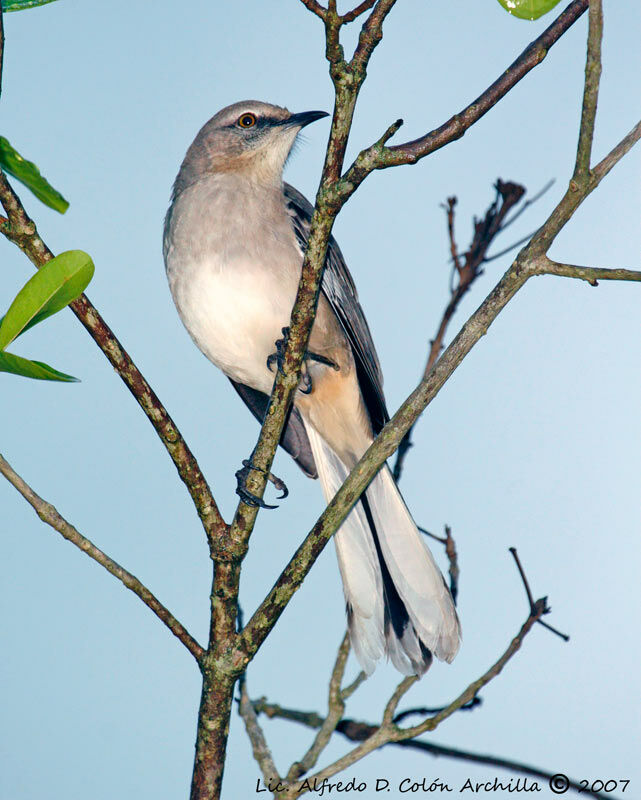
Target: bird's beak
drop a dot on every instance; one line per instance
(306, 118)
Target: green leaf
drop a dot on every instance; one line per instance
(528, 9)
(54, 286)
(18, 5)
(29, 174)
(32, 369)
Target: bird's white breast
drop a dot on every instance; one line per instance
(233, 268)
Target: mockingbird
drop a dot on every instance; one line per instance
(234, 240)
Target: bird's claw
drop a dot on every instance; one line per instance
(279, 355)
(305, 378)
(251, 499)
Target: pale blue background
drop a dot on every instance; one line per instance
(533, 443)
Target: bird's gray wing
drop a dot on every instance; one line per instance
(338, 287)
(294, 436)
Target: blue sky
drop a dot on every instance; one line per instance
(534, 442)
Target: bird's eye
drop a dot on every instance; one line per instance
(247, 121)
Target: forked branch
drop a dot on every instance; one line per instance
(51, 517)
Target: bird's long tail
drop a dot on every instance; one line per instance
(397, 601)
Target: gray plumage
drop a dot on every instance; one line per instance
(233, 245)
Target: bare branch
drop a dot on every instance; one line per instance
(361, 8)
(524, 206)
(450, 552)
(578, 189)
(335, 710)
(370, 36)
(388, 732)
(474, 688)
(590, 90)
(422, 710)
(508, 195)
(452, 557)
(349, 690)
(260, 749)
(357, 731)
(590, 274)
(376, 157)
(530, 599)
(615, 155)
(50, 515)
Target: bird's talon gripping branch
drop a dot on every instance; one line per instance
(279, 355)
(251, 499)
(306, 379)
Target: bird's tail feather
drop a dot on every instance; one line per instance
(397, 601)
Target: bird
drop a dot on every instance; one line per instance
(234, 239)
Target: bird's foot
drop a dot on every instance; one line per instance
(305, 378)
(279, 355)
(251, 499)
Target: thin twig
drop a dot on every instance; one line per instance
(260, 748)
(349, 690)
(590, 90)
(589, 274)
(50, 515)
(452, 557)
(526, 204)
(615, 155)
(508, 249)
(375, 157)
(449, 208)
(508, 194)
(526, 586)
(475, 702)
(388, 732)
(358, 731)
(361, 8)
(335, 710)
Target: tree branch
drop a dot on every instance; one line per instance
(358, 731)
(50, 515)
(589, 274)
(615, 155)
(508, 195)
(376, 157)
(388, 732)
(590, 90)
(361, 8)
(335, 711)
(578, 189)
(260, 748)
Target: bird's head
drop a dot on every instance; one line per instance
(250, 137)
